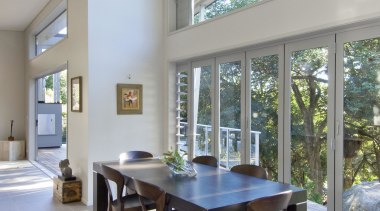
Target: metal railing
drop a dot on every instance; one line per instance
(231, 137)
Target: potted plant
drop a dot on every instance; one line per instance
(177, 165)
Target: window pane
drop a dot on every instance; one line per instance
(361, 123)
(230, 110)
(264, 117)
(52, 34)
(205, 9)
(202, 103)
(309, 121)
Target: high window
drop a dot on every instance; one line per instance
(206, 9)
(189, 12)
(51, 34)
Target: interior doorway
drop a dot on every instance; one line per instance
(51, 120)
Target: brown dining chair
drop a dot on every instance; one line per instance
(118, 202)
(251, 170)
(206, 160)
(134, 155)
(273, 203)
(151, 192)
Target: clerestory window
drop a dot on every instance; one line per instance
(51, 34)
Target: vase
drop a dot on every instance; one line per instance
(186, 170)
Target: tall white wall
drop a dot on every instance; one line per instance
(78, 131)
(273, 20)
(12, 89)
(125, 38)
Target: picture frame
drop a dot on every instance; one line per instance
(129, 98)
(76, 94)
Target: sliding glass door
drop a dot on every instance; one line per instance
(309, 114)
(308, 111)
(203, 97)
(229, 102)
(263, 96)
(358, 117)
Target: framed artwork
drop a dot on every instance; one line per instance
(76, 94)
(129, 99)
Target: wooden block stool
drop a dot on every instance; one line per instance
(67, 191)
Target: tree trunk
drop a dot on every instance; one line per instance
(312, 143)
(313, 148)
(348, 173)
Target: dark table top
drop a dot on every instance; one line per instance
(212, 188)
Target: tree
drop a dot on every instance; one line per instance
(309, 116)
(361, 100)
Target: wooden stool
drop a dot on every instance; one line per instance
(67, 191)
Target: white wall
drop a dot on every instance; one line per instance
(273, 20)
(77, 57)
(12, 89)
(125, 38)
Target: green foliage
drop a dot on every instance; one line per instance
(175, 159)
(220, 7)
(49, 82)
(63, 86)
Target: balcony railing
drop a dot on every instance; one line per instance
(229, 146)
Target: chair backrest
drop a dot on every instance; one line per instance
(206, 160)
(152, 192)
(273, 203)
(251, 170)
(134, 155)
(111, 174)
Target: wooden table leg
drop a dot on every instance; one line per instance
(100, 192)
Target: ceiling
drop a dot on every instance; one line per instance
(16, 15)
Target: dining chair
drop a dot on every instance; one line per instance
(151, 192)
(206, 160)
(118, 202)
(134, 155)
(251, 170)
(130, 155)
(273, 203)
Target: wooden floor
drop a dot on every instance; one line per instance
(50, 157)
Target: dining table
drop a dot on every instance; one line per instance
(214, 189)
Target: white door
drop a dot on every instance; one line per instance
(309, 117)
(358, 119)
(229, 102)
(264, 106)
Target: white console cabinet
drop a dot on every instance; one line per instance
(12, 150)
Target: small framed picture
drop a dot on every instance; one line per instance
(76, 94)
(129, 99)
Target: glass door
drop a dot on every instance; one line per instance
(230, 100)
(309, 115)
(358, 118)
(264, 137)
(203, 92)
